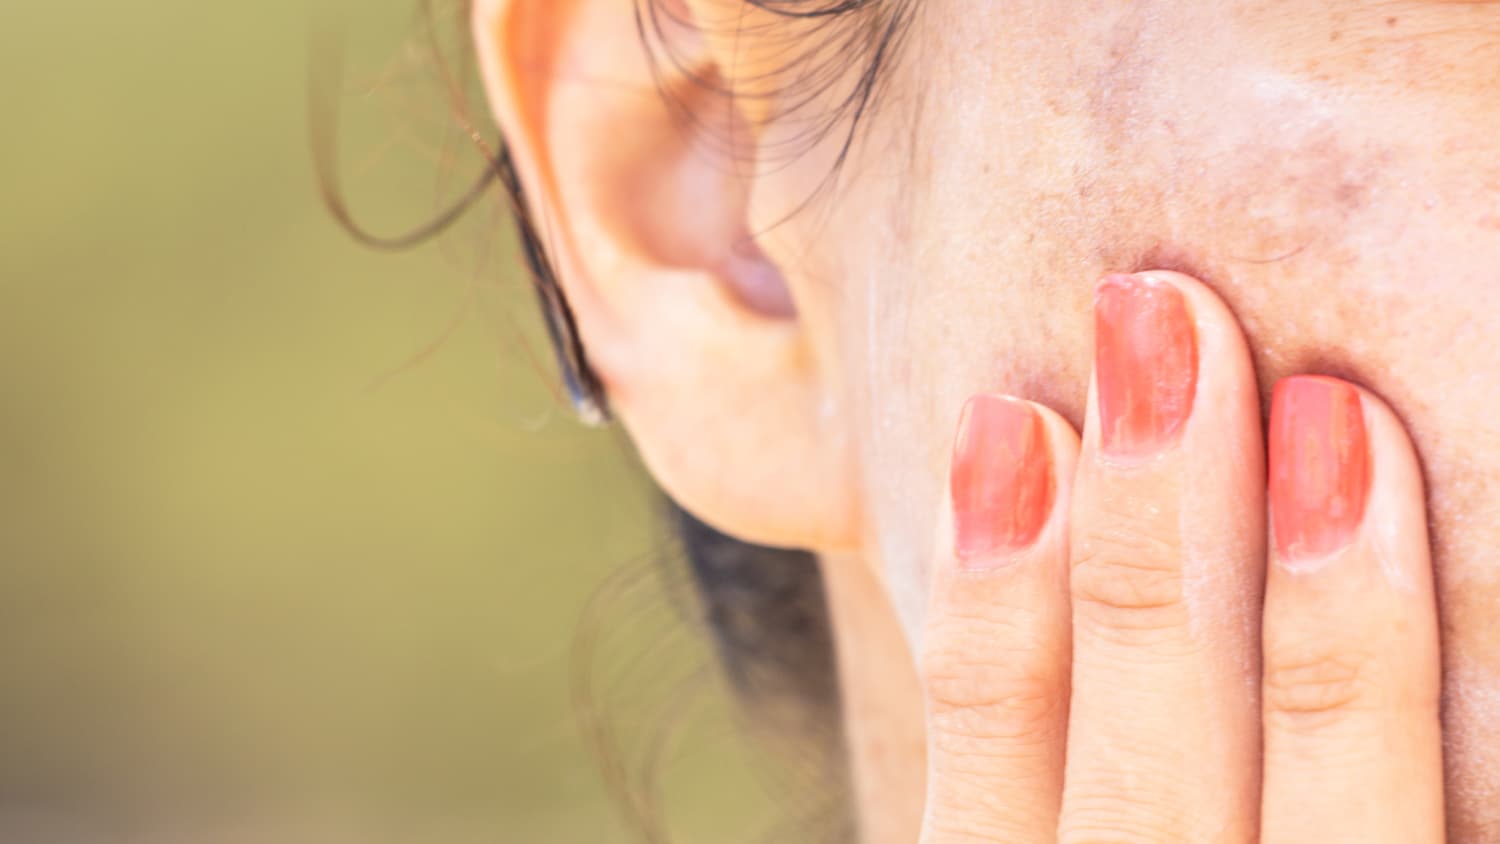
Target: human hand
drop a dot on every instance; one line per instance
(1117, 648)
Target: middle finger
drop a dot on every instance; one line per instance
(1168, 554)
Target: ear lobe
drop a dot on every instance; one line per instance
(645, 209)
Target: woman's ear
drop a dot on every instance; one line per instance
(641, 183)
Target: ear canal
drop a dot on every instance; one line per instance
(757, 282)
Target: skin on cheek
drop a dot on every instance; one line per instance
(1471, 739)
(901, 496)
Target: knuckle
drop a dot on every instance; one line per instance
(1128, 581)
(1313, 688)
(974, 700)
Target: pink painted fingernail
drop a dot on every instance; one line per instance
(1001, 480)
(1145, 364)
(1320, 466)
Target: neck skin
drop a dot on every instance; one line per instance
(882, 707)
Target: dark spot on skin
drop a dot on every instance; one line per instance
(1350, 194)
(1163, 256)
(1321, 360)
(1335, 35)
(1328, 361)
(1114, 88)
(1221, 275)
(1065, 396)
(1392, 21)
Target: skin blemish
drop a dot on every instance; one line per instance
(1329, 361)
(1114, 89)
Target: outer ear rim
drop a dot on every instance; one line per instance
(529, 165)
(585, 388)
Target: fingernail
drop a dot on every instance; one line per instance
(1320, 466)
(1145, 363)
(1001, 479)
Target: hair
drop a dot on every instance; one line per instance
(764, 609)
(831, 63)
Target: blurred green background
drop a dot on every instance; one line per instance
(296, 537)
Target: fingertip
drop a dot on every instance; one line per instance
(1203, 301)
(1170, 357)
(1395, 525)
(1343, 474)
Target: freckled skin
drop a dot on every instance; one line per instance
(1332, 170)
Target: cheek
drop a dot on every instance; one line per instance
(896, 386)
